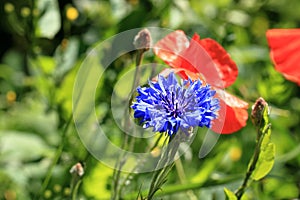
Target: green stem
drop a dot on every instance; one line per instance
(177, 188)
(239, 193)
(75, 190)
(164, 166)
(138, 164)
(122, 159)
(136, 78)
(56, 158)
(182, 178)
(180, 171)
(156, 142)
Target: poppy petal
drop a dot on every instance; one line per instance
(205, 56)
(233, 114)
(284, 51)
(170, 47)
(197, 60)
(227, 69)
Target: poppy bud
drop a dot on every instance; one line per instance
(257, 111)
(142, 40)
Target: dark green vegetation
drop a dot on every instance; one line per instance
(43, 43)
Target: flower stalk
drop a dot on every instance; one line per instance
(164, 165)
(77, 172)
(142, 42)
(173, 108)
(260, 121)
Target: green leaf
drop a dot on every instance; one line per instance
(208, 167)
(64, 92)
(21, 146)
(265, 128)
(6, 72)
(267, 149)
(229, 194)
(99, 172)
(66, 56)
(274, 87)
(49, 22)
(46, 63)
(265, 162)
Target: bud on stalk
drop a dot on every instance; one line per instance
(258, 110)
(142, 41)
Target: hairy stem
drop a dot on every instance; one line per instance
(164, 166)
(122, 159)
(239, 193)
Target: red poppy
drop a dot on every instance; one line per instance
(205, 59)
(285, 47)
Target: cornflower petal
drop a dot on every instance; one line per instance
(169, 106)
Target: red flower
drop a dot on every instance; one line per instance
(285, 47)
(207, 60)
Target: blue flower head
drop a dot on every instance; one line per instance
(168, 106)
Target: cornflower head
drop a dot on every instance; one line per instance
(167, 105)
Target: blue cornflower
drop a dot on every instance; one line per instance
(168, 106)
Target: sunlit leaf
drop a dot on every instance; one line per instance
(229, 194)
(273, 87)
(207, 169)
(265, 162)
(49, 21)
(95, 184)
(29, 116)
(267, 149)
(64, 92)
(21, 146)
(46, 63)
(280, 189)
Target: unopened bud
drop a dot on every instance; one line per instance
(143, 40)
(77, 169)
(257, 111)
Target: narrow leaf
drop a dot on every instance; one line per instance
(265, 162)
(267, 149)
(229, 194)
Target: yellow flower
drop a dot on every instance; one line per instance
(235, 153)
(72, 13)
(11, 96)
(8, 7)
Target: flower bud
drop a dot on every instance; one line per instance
(77, 169)
(257, 111)
(143, 40)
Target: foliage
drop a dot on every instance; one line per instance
(43, 44)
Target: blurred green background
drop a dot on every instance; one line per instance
(43, 43)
